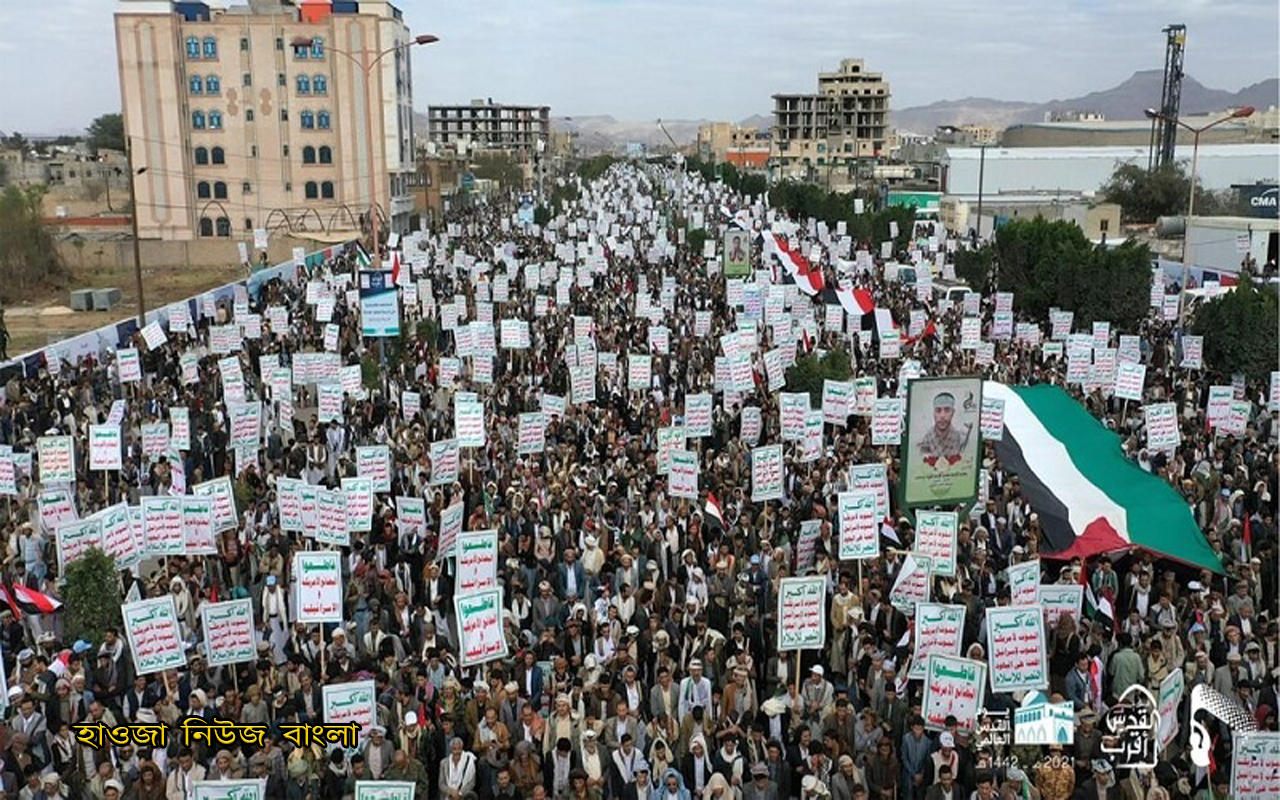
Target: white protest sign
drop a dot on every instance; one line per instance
(936, 536)
(1130, 379)
(1016, 648)
(939, 630)
(802, 619)
(476, 561)
(228, 632)
(1057, 600)
(105, 442)
(682, 474)
(479, 620)
(318, 578)
(952, 687)
(155, 636)
(1024, 582)
(767, 472)
(991, 420)
(912, 584)
(859, 525)
(886, 421)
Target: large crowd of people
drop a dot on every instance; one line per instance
(643, 661)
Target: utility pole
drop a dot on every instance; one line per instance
(982, 170)
(133, 218)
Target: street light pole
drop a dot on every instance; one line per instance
(366, 68)
(982, 174)
(1239, 113)
(133, 219)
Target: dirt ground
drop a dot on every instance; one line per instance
(48, 317)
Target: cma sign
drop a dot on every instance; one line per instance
(1264, 201)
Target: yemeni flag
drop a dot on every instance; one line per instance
(1090, 498)
(60, 663)
(712, 509)
(396, 268)
(33, 602)
(807, 277)
(857, 303)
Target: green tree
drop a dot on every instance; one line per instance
(106, 133)
(596, 166)
(810, 372)
(28, 258)
(500, 168)
(91, 597)
(1239, 330)
(1052, 264)
(804, 200)
(1144, 195)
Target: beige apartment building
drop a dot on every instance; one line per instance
(822, 136)
(238, 125)
(717, 139)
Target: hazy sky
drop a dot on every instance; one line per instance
(718, 59)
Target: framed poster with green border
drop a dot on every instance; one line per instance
(942, 445)
(737, 253)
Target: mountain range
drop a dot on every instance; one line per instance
(1124, 101)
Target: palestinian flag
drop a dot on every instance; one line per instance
(1099, 607)
(807, 277)
(363, 261)
(33, 602)
(1089, 497)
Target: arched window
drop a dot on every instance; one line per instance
(197, 120)
(215, 120)
(193, 47)
(317, 47)
(202, 190)
(304, 84)
(202, 155)
(300, 51)
(210, 47)
(212, 85)
(219, 191)
(219, 156)
(308, 155)
(312, 191)
(206, 226)
(322, 120)
(326, 154)
(320, 84)
(224, 227)
(308, 120)
(195, 85)
(248, 223)
(326, 190)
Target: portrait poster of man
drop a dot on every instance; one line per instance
(737, 253)
(941, 449)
